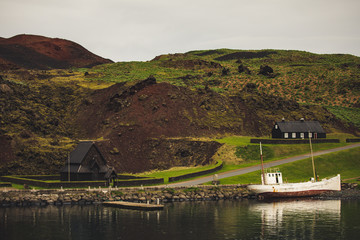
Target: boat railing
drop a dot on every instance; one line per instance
(272, 170)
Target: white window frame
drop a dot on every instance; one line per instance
(293, 135)
(286, 135)
(310, 135)
(302, 135)
(276, 126)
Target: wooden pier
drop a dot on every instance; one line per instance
(135, 206)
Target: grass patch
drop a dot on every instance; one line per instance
(177, 171)
(251, 152)
(247, 152)
(345, 162)
(228, 155)
(346, 114)
(231, 154)
(235, 140)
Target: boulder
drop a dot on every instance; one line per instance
(242, 68)
(266, 71)
(4, 88)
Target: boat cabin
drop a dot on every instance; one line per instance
(272, 176)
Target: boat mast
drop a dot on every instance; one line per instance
(262, 166)
(312, 158)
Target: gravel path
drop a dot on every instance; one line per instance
(258, 167)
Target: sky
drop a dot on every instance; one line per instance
(139, 30)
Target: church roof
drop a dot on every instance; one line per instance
(79, 153)
(300, 126)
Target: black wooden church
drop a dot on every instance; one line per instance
(298, 129)
(86, 163)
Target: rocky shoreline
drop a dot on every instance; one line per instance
(348, 191)
(99, 195)
(19, 198)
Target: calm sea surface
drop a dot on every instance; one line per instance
(240, 219)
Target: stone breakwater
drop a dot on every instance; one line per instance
(10, 198)
(143, 195)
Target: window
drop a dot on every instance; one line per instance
(276, 126)
(286, 135)
(310, 135)
(293, 135)
(302, 135)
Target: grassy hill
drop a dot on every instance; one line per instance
(326, 79)
(200, 93)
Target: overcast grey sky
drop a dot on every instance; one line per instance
(133, 30)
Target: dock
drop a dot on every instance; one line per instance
(135, 206)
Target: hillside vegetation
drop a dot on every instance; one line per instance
(142, 121)
(325, 79)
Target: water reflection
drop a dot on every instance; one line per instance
(297, 218)
(246, 219)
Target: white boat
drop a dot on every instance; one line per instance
(273, 185)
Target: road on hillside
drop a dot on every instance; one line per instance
(258, 167)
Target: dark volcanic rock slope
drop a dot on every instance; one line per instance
(139, 122)
(38, 52)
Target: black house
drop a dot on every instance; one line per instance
(298, 129)
(86, 163)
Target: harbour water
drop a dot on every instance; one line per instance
(228, 219)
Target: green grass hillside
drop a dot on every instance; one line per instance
(326, 79)
(344, 162)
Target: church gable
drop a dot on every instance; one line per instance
(86, 163)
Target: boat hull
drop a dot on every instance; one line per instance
(305, 189)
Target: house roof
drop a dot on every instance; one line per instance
(80, 152)
(300, 126)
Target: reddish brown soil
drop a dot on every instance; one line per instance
(6, 150)
(38, 52)
(137, 121)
